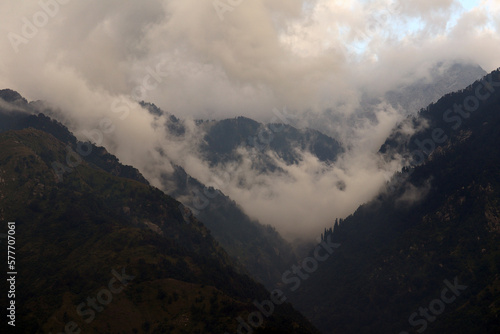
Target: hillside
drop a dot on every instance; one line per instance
(223, 138)
(436, 227)
(80, 237)
(259, 249)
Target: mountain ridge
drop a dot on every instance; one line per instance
(80, 232)
(245, 232)
(437, 222)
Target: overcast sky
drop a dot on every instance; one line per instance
(215, 59)
(235, 60)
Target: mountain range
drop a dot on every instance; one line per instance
(191, 260)
(101, 251)
(435, 227)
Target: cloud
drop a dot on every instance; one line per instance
(6, 107)
(425, 7)
(301, 199)
(306, 197)
(413, 194)
(300, 54)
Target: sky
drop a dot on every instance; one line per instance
(94, 60)
(235, 60)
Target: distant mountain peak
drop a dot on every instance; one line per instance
(440, 79)
(12, 96)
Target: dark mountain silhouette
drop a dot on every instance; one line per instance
(437, 226)
(222, 138)
(101, 253)
(260, 249)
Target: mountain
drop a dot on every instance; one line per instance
(101, 253)
(18, 114)
(442, 78)
(260, 250)
(223, 138)
(436, 226)
(425, 254)
(417, 89)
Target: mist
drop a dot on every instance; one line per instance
(93, 61)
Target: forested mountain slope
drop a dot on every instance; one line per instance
(436, 227)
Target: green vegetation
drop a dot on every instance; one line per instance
(72, 233)
(398, 249)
